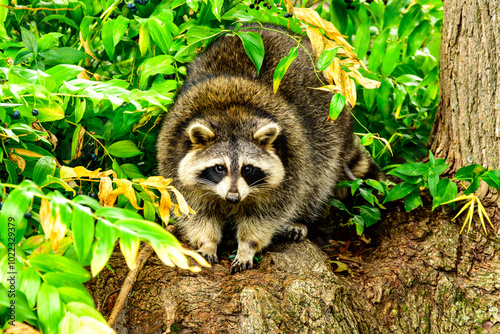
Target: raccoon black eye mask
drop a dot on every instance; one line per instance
(240, 153)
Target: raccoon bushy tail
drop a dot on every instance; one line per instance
(361, 164)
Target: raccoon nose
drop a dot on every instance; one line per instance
(233, 198)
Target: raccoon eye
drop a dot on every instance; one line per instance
(219, 169)
(247, 170)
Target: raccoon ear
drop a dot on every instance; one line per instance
(266, 134)
(200, 134)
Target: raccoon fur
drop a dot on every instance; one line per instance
(241, 154)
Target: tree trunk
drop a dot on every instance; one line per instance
(467, 126)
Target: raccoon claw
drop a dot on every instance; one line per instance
(211, 258)
(296, 232)
(238, 266)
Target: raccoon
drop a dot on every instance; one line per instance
(241, 154)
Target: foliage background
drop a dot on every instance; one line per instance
(101, 73)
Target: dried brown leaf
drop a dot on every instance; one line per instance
(20, 162)
(79, 144)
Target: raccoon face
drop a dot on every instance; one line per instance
(232, 166)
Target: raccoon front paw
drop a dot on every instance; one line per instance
(239, 265)
(209, 251)
(295, 231)
(211, 258)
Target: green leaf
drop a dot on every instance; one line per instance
(107, 38)
(362, 39)
(375, 184)
(337, 204)
(80, 107)
(161, 36)
(393, 10)
(132, 171)
(369, 214)
(216, 8)
(117, 213)
(124, 149)
(391, 57)
(399, 191)
(62, 18)
(70, 55)
(367, 194)
(59, 264)
(339, 16)
(359, 223)
(254, 47)
(29, 40)
(410, 20)
(88, 201)
(416, 169)
(473, 186)
(336, 105)
(355, 185)
(82, 225)
(432, 181)
(383, 93)
(64, 72)
(74, 142)
(45, 166)
(149, 231)
(417, 37)
(409, 80)
(82, 310)
(23, 310)
(106, 236)
(12, 221)
(156, 65)
(129, 245)
(149, 211)
(326, 58)
(199, 33)
(467, 173)
(282, 67)
(11, 170)
(378, 50)
(30, 285)
(413, 200)
(69, 294)
(492, 178)
(49, 308)
(446, 191)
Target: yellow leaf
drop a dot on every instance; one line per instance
(106, 197)
(88, 50)
(183, 206)
(316, 39)
(125, 188)
(328, 88)
(67, 173)
(58, 231)
(165, 205)
(27, 153)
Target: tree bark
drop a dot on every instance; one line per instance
(467, 125)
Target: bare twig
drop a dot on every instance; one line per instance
(144, 254)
